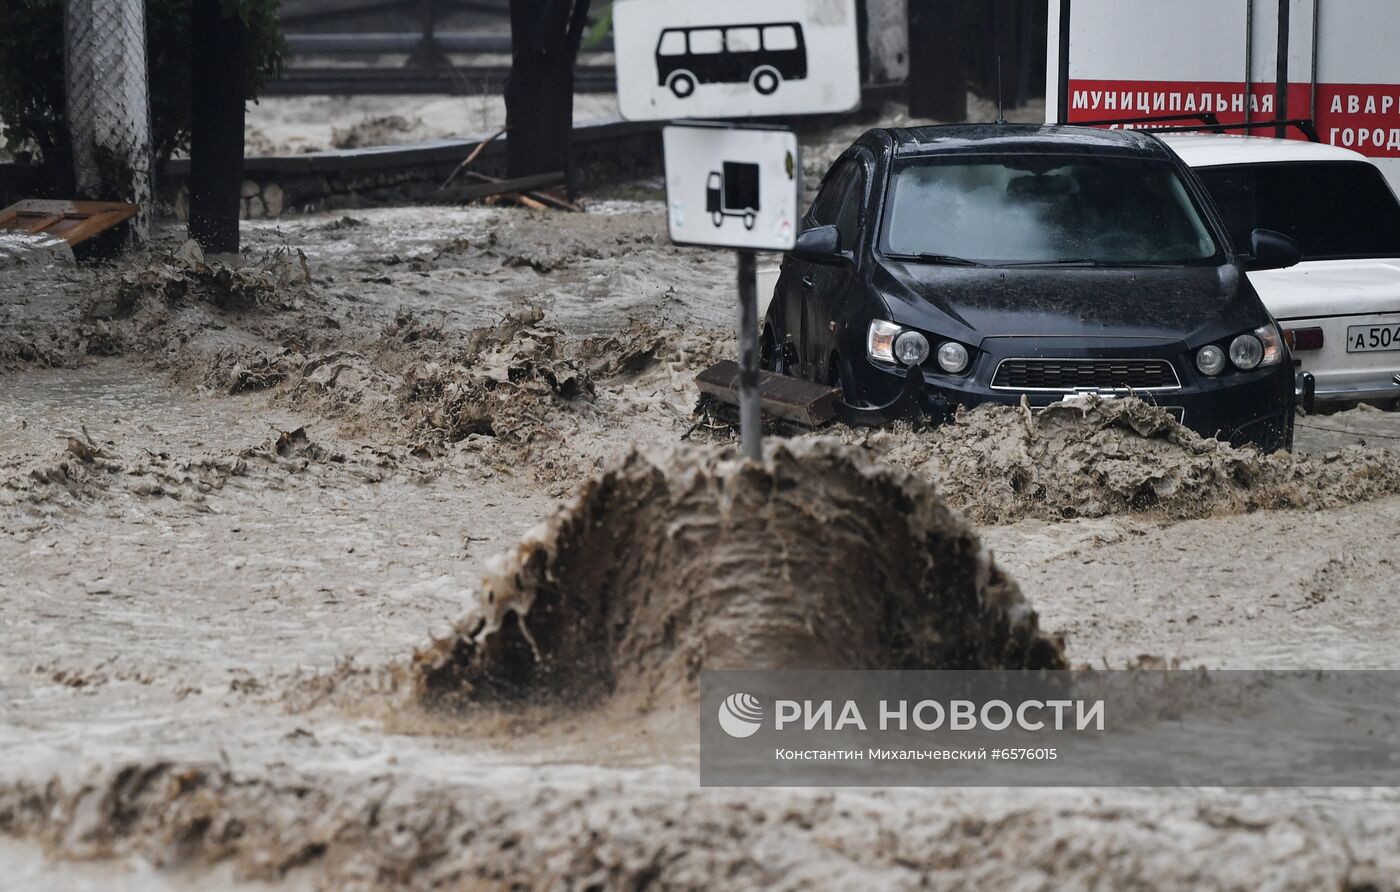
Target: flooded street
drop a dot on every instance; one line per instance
(234, 508)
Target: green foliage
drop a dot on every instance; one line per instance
(600, 30)
(31, 70)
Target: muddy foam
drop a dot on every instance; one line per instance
(667, 565)
(542, 830)
(1094, 458)
(86, 470)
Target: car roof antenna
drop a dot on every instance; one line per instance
(1001, 113)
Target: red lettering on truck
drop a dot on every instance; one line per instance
(1365, 117)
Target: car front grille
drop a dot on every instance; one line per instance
(1088, 374)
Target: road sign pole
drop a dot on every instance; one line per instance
(750, 417)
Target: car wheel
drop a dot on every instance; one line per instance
(682, 84)
(766, 81)
(749, 220)
(718, 219)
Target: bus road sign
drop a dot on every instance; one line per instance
(735, 58)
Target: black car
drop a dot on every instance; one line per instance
(1006, 261)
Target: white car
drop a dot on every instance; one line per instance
(1340, 307)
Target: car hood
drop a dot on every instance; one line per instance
(969, 304)
(1322, 288)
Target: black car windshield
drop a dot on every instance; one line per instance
(1335, 209)
(1044, 209)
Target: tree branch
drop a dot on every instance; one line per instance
(578, 23)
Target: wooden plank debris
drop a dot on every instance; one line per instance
(790, 399)
(517, 190)
(549, 198)
(73, 221)
(476, 153)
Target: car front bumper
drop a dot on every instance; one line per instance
(1243, 408)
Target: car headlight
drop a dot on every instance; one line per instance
(879, 341)
(1210, 360)
(911, 348)
(887, 342)
(1261, 347)
(1252, 350)
(1246, 352)
(952, 357)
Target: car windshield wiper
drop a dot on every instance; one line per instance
(1096, 264)
(1148, 264)
(939, 259)
(1063, 261)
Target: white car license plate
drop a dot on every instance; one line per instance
(1370, 338)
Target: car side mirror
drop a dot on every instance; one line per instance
(820, 244)
(1272, 250)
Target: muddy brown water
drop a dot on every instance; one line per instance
(233, 631)
(665, 566)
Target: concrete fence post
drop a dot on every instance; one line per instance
(108, 103)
